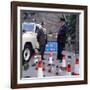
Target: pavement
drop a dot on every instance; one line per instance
(53, 70)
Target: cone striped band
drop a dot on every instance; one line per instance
(63, 56)
(40, 72)
(77, 61)
(63, 61)
(40, 64)
(50, 54)
(76, 71)
(68, 69)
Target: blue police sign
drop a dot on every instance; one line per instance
(51, 45)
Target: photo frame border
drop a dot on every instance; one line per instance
(14, 5)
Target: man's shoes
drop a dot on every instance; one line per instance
(60, 60)
(63, 49)
(33, 64)
(43, 58)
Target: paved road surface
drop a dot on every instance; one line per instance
(56, 67)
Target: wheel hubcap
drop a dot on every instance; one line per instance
(26, 54)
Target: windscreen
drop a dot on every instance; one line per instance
(28, 27)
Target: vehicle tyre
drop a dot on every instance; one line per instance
(27, 53)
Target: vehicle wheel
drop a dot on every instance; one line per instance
(27, 52)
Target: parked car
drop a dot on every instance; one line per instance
(29, 40)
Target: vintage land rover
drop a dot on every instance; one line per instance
(29, 40)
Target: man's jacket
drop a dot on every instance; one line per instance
(62, 34)
(41, 37)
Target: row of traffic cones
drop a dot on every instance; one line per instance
(50, 59)
(40, 68)
(76, 70)
(40, 65)
(67, 67)
(64, 66)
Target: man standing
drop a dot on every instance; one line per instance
(61, 38)
(42, 39)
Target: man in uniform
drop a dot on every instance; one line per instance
(61, 38)
(42, 39)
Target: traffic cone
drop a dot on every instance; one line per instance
(73, 50)
(39, 59)
(57, 73)
(50, 69)
(68, 69)
(43, 66)
(76, 68)
(50, 57)
(63, 62)
(35, 59)
(58, 70)
(40, 69)
(56, 61)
